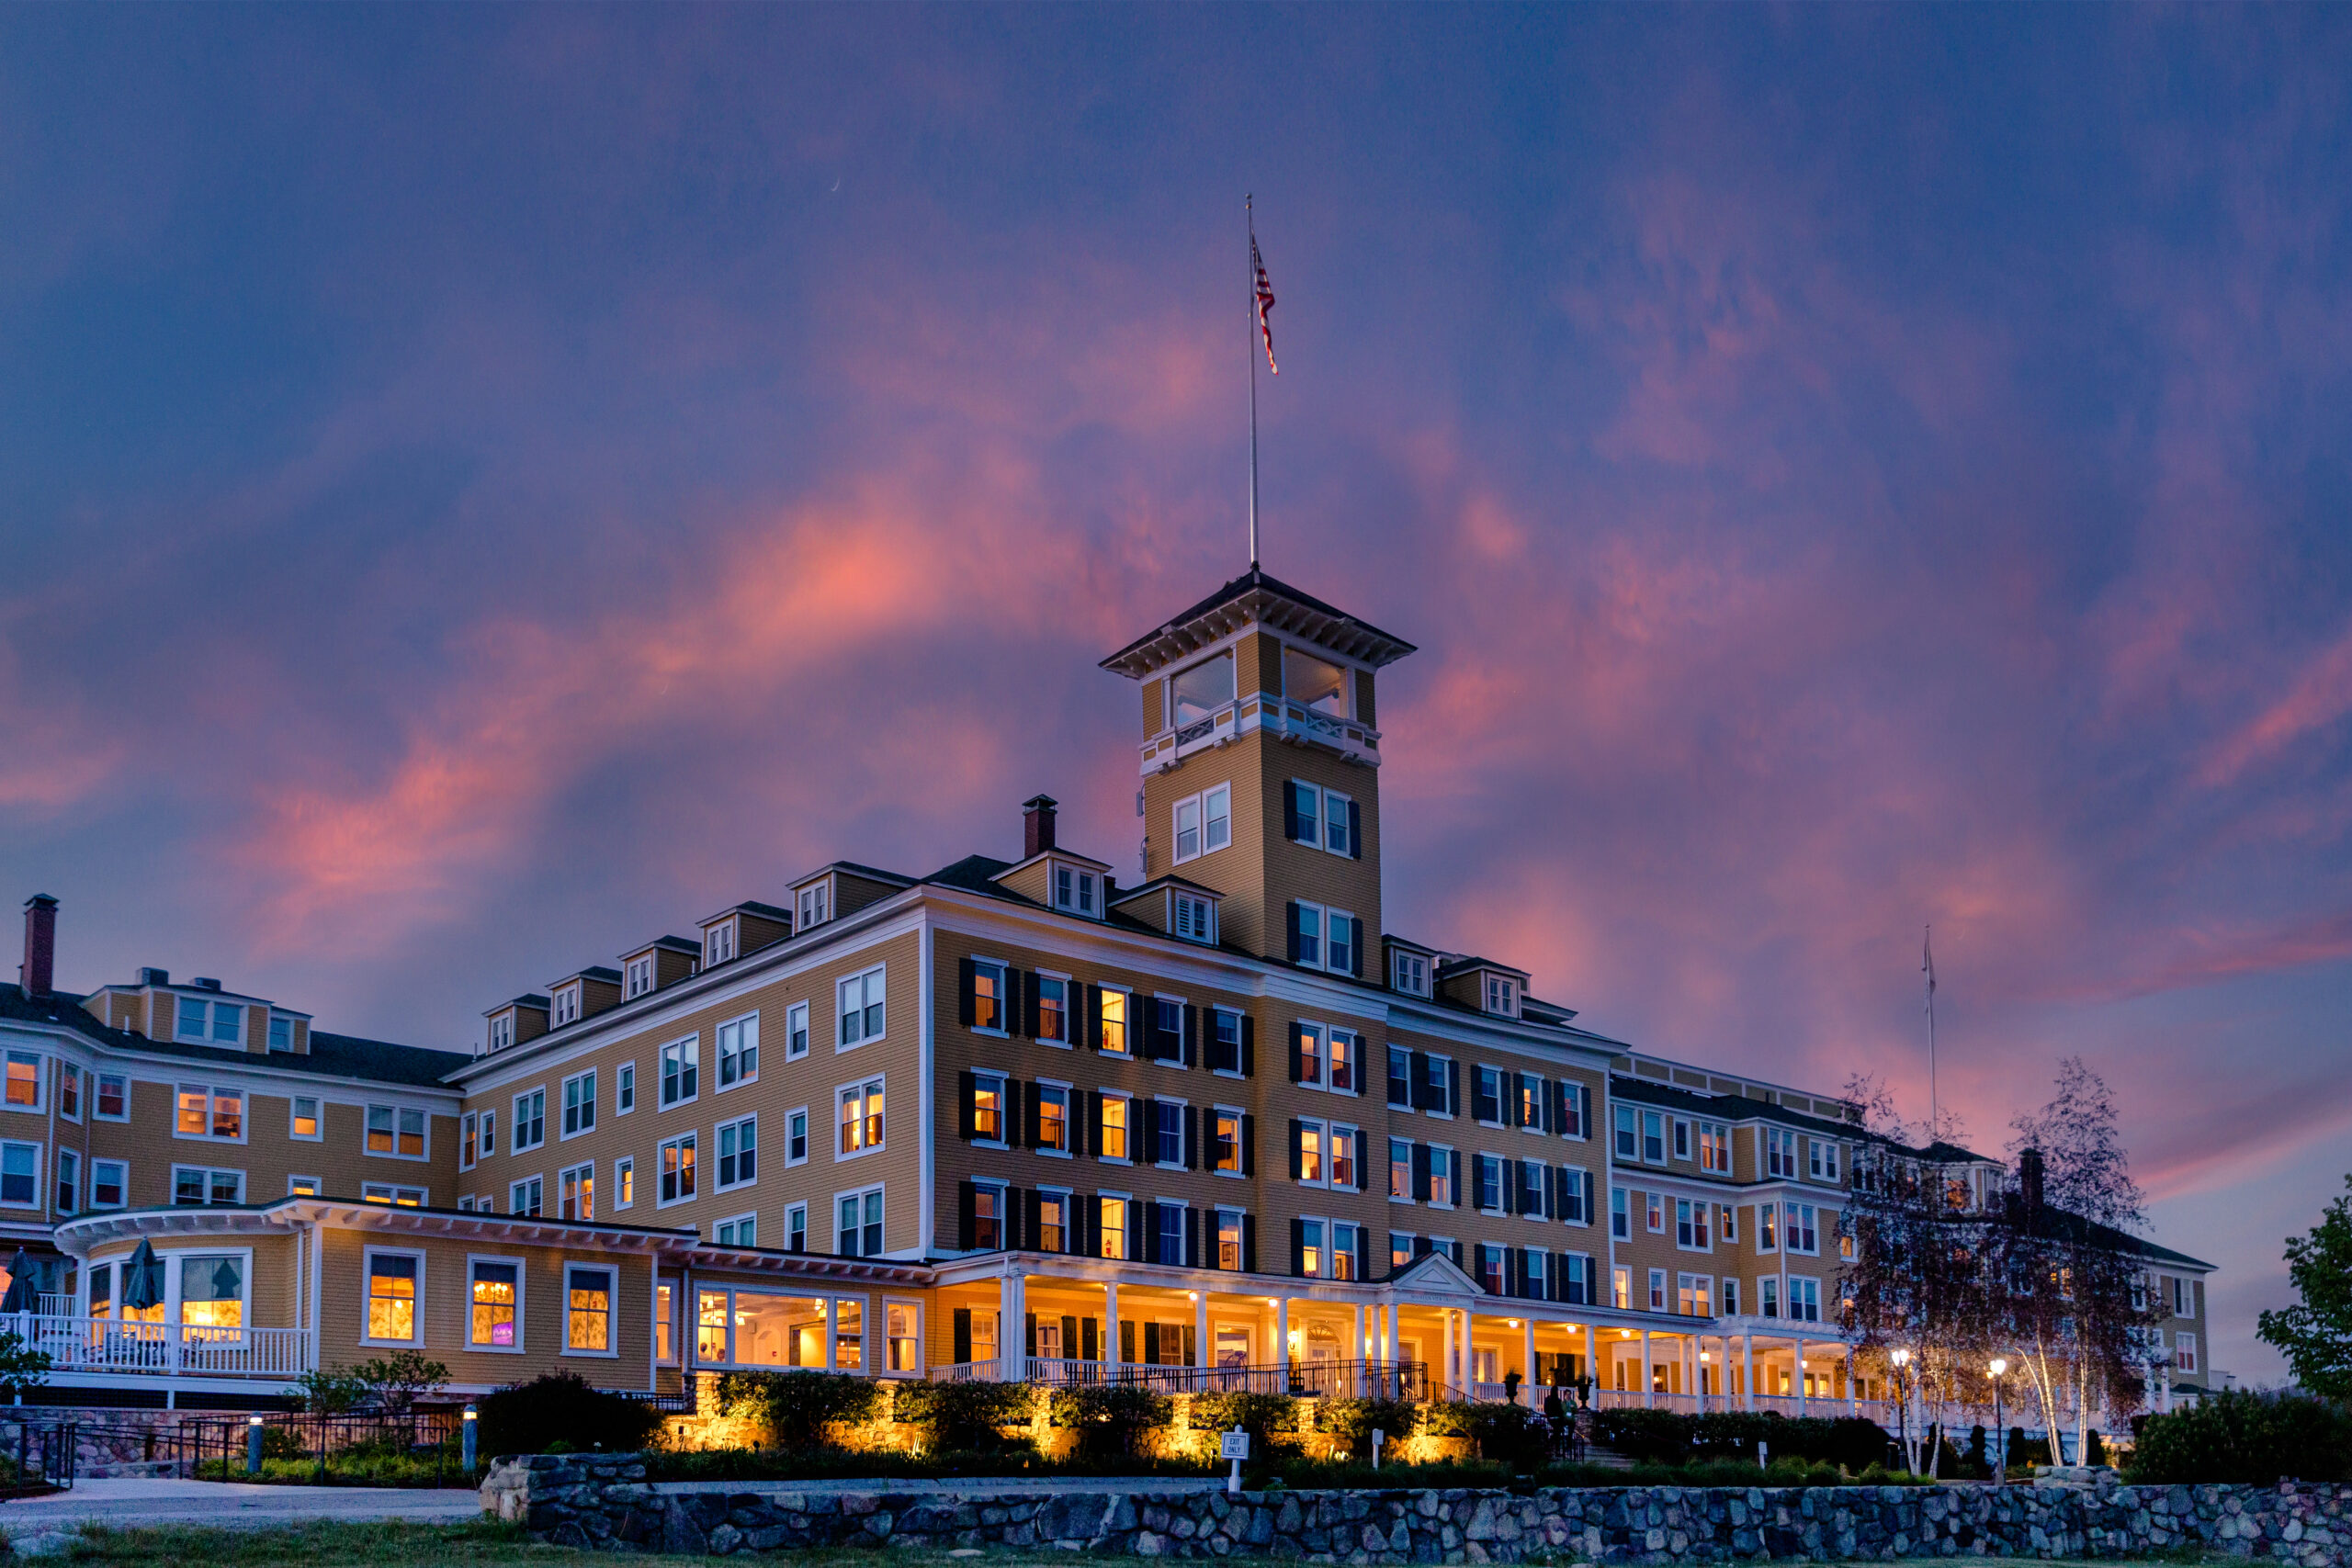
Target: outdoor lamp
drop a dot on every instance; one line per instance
(1899, 1356)
(1997, 1366)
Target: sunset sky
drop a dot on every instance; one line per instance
(482, 487)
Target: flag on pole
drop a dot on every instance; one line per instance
(1927, 964)
(1265, 303)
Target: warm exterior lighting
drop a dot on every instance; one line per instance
(1193, 1295)
(1512, 1321)
(1997, 1366)
(1900, 1357)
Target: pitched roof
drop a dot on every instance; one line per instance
(1256, 596)
(331, 1055)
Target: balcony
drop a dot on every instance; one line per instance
(1258, 711)
(1317, 1380)
(164, 1349)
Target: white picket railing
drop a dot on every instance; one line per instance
(169, 1348)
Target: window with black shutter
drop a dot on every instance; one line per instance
(1248, 1046)
(1191, 1137)
(966, 1207)
(1297, 1244)
(967, 1098)
(1355, 845)
(1421, 1172)
(1297, 1148)
(1248, 1243)
(1423, 1080)
(962, 1337)
(967, 987)
(1248, 1144)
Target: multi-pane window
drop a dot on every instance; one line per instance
(1073, 888)
(813, 905)
(1655, 1202)
(497, 1291)
(1627, 1142)
(742, 1231)
(69, 1092)
(576, 1192)
(1053, 1010)
(1053, 1117)
(1437, 1090)
(1804, 1299)
(502, 1031)
(1400, 1167)
(1111, 1226)
(1306, 1155)
(1204, 823)
(1112, 1022)
(1310, 1248)
(1441, 1176)
(739, 1153)
(281, 1034)
(1800, 1233)
(988, 996)
(719, 944)
(680, 1070)
(624, 1088)
(489, 1133)
(1346, 1061)
(1323, 818)
(1825, 1160)
(392, 1280)
(1306, 1046)
(1767, 1291)
(988, 1107)
(1490, 1183)
(567, 1007)
(1779, 1152)
(1731, 1296)
(737, 1043)
(1652, 1137)
(677, 1169)
(1575, 1195)
(1694, 1295)
(796, 1135)
(527, 1196)
(530, 1120)
(1225, 1142)
(110, 1181)
(398, 1131)
(636, 978)
(1486, 1095)
(861, 1117)
(796, 1031)
(1230, 1239)
(1691, 1223)
(1621, 1220)
(191, 1185)
(1225, 1039)
(114, 1097)
(1531, 1101)
(987, 1216)
(69, 1182)
(858, 1224)
(1193, 917)
(1400, 1075)
(1167, 1132)
(1767, 1227)
(227, 1021)
(1681, 1138)
(209, 1112)
(304, 1122)
(580, 1103)
(1658, 1290)
(860, 1000)
(625, 1182)
(588, 1308)
(1714, 1147)
(1502, 995)
(1346, 1150)
(904, 1342)
(1409, 973)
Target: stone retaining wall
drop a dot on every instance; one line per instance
(604, 1501)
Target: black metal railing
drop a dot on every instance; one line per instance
(44, 1457)
(416, 1447)
(1317, 1380)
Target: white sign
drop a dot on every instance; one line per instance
(1233, 1445)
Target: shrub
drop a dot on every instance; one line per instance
(796, 1406)
(396, 1382)
(1352, 1421)
(1256, 1414)
(2247, 1439)
(331, 1392)
(1109, 1417)
(530, 1417)
(1666, 1436)
(965, 1416)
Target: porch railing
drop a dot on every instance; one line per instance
(166, 1348)
(1323, 1380)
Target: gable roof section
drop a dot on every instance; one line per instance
(331, 1055)
(1255, 596)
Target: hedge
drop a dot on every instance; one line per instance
(2251, 1439)
(526, 1418)
(1668, 1437)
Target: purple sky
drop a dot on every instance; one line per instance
(485, 486)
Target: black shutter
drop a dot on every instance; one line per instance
(1297, 1032)
(1147, 1248)
(1030, 1127)
(1191, 1137)
(1419, 1072)
(1248, 1046)
(1192, 1345)
(1033, 1228)
(1013, 1102)
(1127, 1340)
(1290, 928)
(1454, 1088)
(963, 1335)
(1298, 1248)
(1289, 815)
(1192, 1057)
(1248, 1243)
(1094, 1121)
(1453, 1171)
(1030, 1020)
(1009, 1211)
(1512, 1285)
(966, 984)
(1356, 841)
(966, 1201)
(1009, 1006)
(1560, 1107)
(1248, 1144)
(1356, 953)
(1421, 1173)
(1297, 1149)
(1422, 1247)
(1151, 1343)
(967, 1089)
(1032, 1326)
(1507, 1180)
(1091, 1208)
(1092, 1021)
(1192, 1238)
(1069, 1335)
(1364, 1161)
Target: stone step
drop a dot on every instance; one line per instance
(129, 1470)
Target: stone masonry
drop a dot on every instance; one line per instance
(604, 1501)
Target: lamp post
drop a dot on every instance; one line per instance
(253, 1444)
(1901, 1358)
(469, 1450)
(2000, 1433)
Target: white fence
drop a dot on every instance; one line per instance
(168, 1348)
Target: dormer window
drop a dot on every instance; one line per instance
(502, 1031)
(1074, 890)
(567, 1007)
(1192, 916)
(281, 1032)
(815, 907)
(718, 944)
(638, 978)
(1502, 995)
(1409, 973)
(1316, 684)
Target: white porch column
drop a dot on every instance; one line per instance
(1111, 1323)
(1527, 1362)
(1648, 1382)
(1202, 1354)
(1361, 1355)
(825, 1309)
(1799, 1374)
(1011, 1331)
(1748, 1368)
(1281, 1338)
(1853, 1385)
(1592, 1358)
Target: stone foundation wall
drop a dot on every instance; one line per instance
(606, 1502)
(106, 1436)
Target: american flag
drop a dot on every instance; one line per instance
(1265, 303)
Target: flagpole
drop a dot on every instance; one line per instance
(1250, 220)
(1927, 962)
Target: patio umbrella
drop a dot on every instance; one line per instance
(143, 1279)
(24, 1294)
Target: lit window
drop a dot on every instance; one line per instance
(397, 1196)
(392, 1295)
(905, 1343)
(1053, 1118)
(861, 1117)
(306, 1116)
(1053, 1010)
(678, 1169)
(1115, 1127)
(623, 1183)
(1196, 694)
(588, 1314)
(1114, 1021)
(1228, 1142)
(988, 996)
(1231, 1233)
(1316, 684)
(312, 1185)
(496, 1291)
(576, 1194)
(1113, 1227)
(1310, 1248)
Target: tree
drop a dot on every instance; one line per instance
(2315, 1334)
(2064, 1249)
(399, 1380)
(21, 1365)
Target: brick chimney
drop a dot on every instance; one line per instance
(39, 968)
(1037, 826)
(2029, 1179)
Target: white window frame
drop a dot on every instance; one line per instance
(1322, 1132)
(1127, 1102)
(1408, 973)
(795, 1212)
(213, 1094)
(563, 1006)
(1804, 1289)
(1074, 890)
(294, 1104)
(565, 1131)
(1442, 1169)
(687, 1051)
(1714, 1148)
(747, 1044)
(1127, 1046)
(368, 1255)
(995, 969)
(488, 1132)
(814, 905)
(299, 1186)
(864, 1088)
(637, 977)
(514, 1204)
(719, 944)
(1066, 1041)
(1202, 817)
(501, 1030)
(1069, 1110)
(66, 1179)
(68, 1086)
(719, 1156)
(585, 1170)
(536, 1097)
(424, 1132)
(876, 1190)
(1684, 1148)
(624, 1087)
(612, 1294)
(796, 1031)
(1208, 1156)
(1620, 1213)
(390, 1193)
(736, 1223)
(522, 1286)
(1181, 1106)
(689, 1140)
(1194, 912)
(2184, 1351)
(872, 991)
(208, 1172)
(97, 1091)
(123, 1183)
(1502, 995)
(625, 1182)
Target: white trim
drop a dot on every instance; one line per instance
(368, 1255)
(588, 1100)
(612, 1294)
(522, 1286)
(677, 1141)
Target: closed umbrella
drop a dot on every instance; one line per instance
(23, 1293)
(143, 1279)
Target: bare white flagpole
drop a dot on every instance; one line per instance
(1249, 219)
(1927, 964)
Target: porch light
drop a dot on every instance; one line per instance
(1512, 1321)
(1996, 1366)
(1192, 1295)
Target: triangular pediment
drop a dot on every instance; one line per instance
(1435, 1274)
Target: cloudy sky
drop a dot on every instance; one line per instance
(481, 486)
